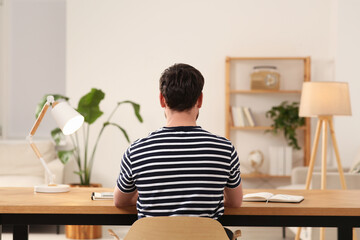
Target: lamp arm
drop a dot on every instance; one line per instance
(51, 176)
(50, 100)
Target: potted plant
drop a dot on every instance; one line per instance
(84, 155)
(286, 118)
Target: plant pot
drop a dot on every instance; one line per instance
(91, 185)
(83, 231)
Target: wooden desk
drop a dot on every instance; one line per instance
(330, 208)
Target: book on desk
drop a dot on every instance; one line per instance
(102, 196)
(270, 197)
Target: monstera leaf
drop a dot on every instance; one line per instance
(65, 155)
(136, 108)
(120, 128)
(89, 105)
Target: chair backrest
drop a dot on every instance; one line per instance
(161, 228)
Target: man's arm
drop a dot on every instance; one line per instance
(233, 196)
(122, 199)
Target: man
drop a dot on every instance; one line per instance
(180, 169)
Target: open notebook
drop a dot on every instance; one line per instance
(270, 197)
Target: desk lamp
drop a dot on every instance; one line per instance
(69, 121)
(324, 100)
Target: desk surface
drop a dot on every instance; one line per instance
(77, 201)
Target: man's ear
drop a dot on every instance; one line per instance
(162, 100)
(199, 101)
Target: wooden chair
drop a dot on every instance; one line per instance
(161, 228)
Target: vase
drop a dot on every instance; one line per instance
(83, 231)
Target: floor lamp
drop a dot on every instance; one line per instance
(324, 100)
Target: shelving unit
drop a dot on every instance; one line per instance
(293, 70)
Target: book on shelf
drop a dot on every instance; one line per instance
(235, 117)
(102, 196)
(270, 197)
(288, 160)
(280, 160)
(273, 153)
(232, 123)
(238, 116)
(249, 116)
(240, 112)
(242, 117)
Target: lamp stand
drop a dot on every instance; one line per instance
(324, 122)
(56, 188)
(51, 187)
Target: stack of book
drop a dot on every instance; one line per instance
(280, 160)
(242, 117)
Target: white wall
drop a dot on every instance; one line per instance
(347, 64)
(2, 68)
(34, 62)
(123, 46)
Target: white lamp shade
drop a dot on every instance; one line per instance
(324, 99)
(68, 120)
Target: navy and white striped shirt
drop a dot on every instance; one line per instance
(180, 171)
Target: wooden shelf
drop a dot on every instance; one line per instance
(258, 128)
(264, 91)
(251, 128)
(265, 58)
(262, 175)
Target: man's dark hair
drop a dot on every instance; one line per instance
(181, 85)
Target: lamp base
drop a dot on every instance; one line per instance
(56, 188)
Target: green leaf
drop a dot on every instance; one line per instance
(57, 135)
(286, 119)
(65, 155)
(136, 108)
(121, 129)
(80, 173)
(89, 105)
(43, 100)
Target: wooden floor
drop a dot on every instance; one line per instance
(271, 233)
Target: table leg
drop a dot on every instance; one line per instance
(21, 232)
(283, 232)
(345, 232)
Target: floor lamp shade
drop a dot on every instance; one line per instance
(324, 99)
(68, 120)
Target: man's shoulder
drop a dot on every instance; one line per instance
(147, 138)
(215, 136)
(163, 134)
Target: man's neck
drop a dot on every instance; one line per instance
(183, 118)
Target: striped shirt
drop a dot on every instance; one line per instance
(180, 171)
